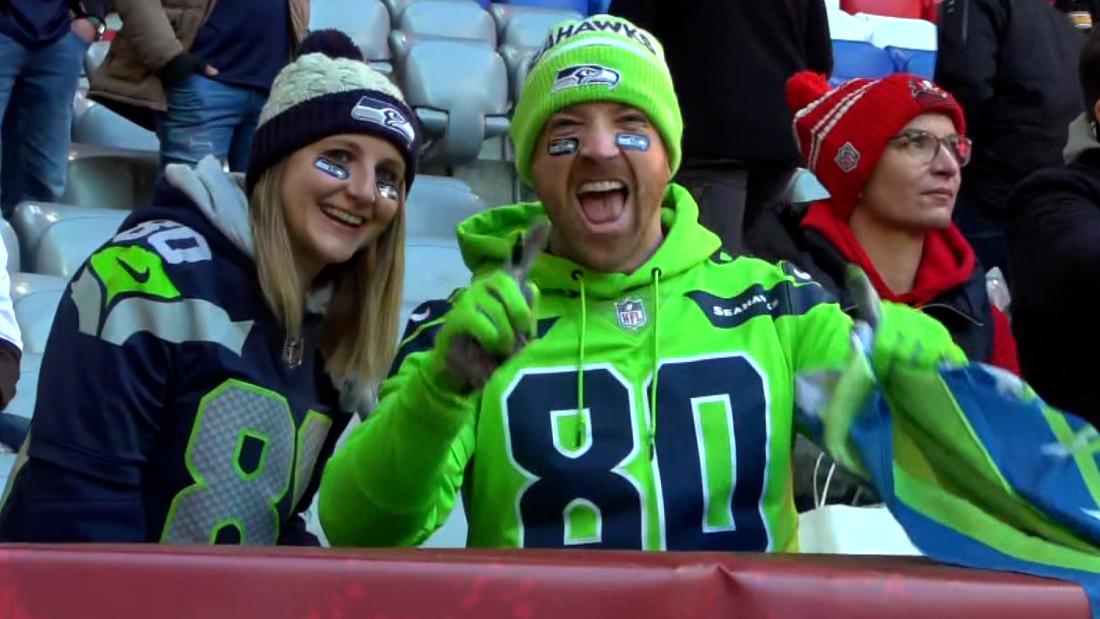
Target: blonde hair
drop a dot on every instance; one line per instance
(359, 336)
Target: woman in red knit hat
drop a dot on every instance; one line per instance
(890, 153)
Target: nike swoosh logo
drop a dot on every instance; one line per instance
(420, 316)
(140, 277)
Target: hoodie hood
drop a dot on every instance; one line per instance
(218, 196)
(487, 239)
(948, 260)
(1078, 179)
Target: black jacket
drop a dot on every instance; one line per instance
(1054, 253)
(964, 310)
(730, 61)
(1012, 64)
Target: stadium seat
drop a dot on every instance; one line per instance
(79, 230)
(517, 61)
(34, 298)
(98, 125)
(67, 243)
(25, 390)
(582, 7)
(97, 51)
(436, 205)
(396, 7)
(533, 25)
(367, 22)
(112, 178)
(11, 246)
(433, 269)
(450, 19)
(459, 91)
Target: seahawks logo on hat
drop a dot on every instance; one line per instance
(372, 110)
(584, 75)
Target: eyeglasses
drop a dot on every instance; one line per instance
(924, 146)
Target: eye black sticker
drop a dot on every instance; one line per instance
(330, 167)
(563, 146)
(387, 190)
(633, 141)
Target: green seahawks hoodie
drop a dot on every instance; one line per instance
(654, 411)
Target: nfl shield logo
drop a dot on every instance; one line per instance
(847, 158)
(631, 313)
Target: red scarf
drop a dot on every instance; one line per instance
(947, 261)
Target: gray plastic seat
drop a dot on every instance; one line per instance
(433, 269)
(447, 18)
(56, 238)
(459, 91)
(436, 205)
(11, 246)
(26, 389)
(67, 243)
(527, 26)
(94, 56)
(367, 22)
(34, 298)
(98, 125)
(110, 177)
(517, 60)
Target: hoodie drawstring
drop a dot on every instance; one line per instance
(651, 430)
(581, 430)
(656, 362)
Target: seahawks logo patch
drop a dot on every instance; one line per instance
(584, 75)
(372, 110)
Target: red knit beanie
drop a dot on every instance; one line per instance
(842, 133)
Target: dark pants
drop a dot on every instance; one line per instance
(730, 194)
(36, 103)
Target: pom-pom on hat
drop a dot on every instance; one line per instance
(330, 90)
(599, 58)
(843, 132)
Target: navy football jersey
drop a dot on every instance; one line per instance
(170, 407)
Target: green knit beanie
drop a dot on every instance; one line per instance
(600, 58)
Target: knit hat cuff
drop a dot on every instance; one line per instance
(353, 111)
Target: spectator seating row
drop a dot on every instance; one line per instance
(874, 46)
(459, 65)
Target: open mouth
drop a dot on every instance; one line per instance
(342, 217)
(603, 201)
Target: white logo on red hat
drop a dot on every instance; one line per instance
(925, 92)
(847, 158)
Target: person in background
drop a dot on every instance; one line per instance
(42, 45)
(1010, 64)
(730, 62)
(231, 337)
(204, 68)
(890, 205)
(1054, 251)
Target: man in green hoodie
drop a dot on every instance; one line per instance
(575, 443)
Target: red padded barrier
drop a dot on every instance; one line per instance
(117, 582)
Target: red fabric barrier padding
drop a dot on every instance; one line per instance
(55, 582)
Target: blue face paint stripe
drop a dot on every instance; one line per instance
(330, 167)
(563, 146)
(632, 141)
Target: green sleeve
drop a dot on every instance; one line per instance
(396, 478)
